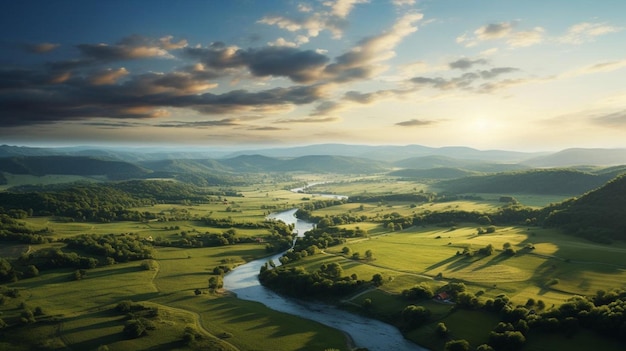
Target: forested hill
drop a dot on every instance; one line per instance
(598, 215)
(76, 165)
(541, 181)
(100, 202)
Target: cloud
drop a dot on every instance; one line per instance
(465, 81)
(601, 67)
(616, 119)
(113, 125)
(202, 124)
(29, 97)
(109, 76)
(363, 61)
(26, 78)
(331, 17)
(586, 31)
(465, 63)
(414, 123)
(40, 48)
(502, 31)
(312, 120)
(267, 128)
(494, 31)
(326, 107)
(342, 8)
(298, 65)
(131, 47)
(167, 44)
(299, 40)
(368, 98)
(526, 38)
(400, 3)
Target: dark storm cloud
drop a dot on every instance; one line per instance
(298, 65)
(466, 63)
(24, 78)
(414, 123)
(130, 48)
(28, 97)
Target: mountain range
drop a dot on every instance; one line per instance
(457, 169)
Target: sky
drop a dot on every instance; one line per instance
(488, 74)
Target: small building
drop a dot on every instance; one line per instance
(442, 296)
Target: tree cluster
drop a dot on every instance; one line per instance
(327, 281)
(121, 248)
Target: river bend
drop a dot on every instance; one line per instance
(365, 332)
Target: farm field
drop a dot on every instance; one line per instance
(548, 266)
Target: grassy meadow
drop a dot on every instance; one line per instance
(80, 314)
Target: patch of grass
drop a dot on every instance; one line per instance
(473, 326)
(252, 326)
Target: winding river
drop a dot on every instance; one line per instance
(365, 332)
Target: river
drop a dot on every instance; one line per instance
(365, 332)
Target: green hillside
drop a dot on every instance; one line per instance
(597, 215)
(434, 173)
(334, 164)
(540, 181)
(71, 165)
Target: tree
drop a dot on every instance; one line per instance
(420, 291)
(367, 304)
(377, 279)
(457, 345)
(369, 254)
(346, 250)
(215, 283)
(31, 271)
(441, 330)
(134, 328)
(413, 316)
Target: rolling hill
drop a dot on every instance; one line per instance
(597, 215)
(576, 157)
(433, 173)
(437, 161)
(71, 165)
(538, 181)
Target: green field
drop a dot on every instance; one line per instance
(79, 313)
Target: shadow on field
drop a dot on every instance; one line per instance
(444, 262)
(172, 345)
(113, 271)
(497, 259)
(245, 254)
(566, 269)
(89, 319)
(45, 279)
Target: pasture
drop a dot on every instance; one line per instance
(547, 266)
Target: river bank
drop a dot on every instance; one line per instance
(364, 332)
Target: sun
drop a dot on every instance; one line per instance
(480, 124)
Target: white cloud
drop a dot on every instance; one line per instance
(585, 32)
(404, 2)
(526, 38)
(502, 31)
(342, 8)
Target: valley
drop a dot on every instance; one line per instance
(101, 260)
